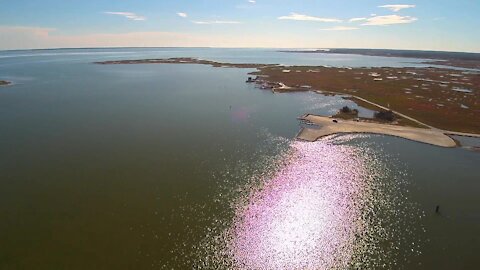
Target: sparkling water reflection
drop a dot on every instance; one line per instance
(325, 207)
(306, 216)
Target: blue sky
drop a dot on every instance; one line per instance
(416, 24)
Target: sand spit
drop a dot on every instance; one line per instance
(330, 127)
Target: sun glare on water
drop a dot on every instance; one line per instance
(306, 216)
(323, 208)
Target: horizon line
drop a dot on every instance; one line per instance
(210, 47)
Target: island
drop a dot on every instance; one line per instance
(4, 83)
(184, 60)
(428, 101)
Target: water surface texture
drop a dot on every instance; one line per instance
(186, 166)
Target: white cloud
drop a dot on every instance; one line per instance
(248, 4)
(182, 14)
(216, 22)
(397, 8)
(129, 15)
(301, 17)
(357, 19)
(339, 28)
(389, 19)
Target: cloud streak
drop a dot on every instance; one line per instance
(339, 28)
(302, 17)
(396, 8)
(389, 19)
(216, 22)
(357, 19)
(182, 14)
(129, 15)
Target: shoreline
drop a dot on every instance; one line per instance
(439, 99)
(436, 98)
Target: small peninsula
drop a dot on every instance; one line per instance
(440, 98)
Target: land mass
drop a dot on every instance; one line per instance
(455, 59)
(3, 83)
(185, 60)
(434, 98)
(440, 98)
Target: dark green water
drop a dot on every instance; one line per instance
(124, 167)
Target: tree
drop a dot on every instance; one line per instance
(385, 115)
(346, 109)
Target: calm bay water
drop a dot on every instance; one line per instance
(186, 166)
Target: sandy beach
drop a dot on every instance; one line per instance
(329, 127)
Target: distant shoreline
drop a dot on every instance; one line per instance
(454, 59)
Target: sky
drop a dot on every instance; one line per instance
(445, 25)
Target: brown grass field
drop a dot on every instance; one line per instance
(442, 98)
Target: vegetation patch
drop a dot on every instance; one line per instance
(387, 116)
(347, 113)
